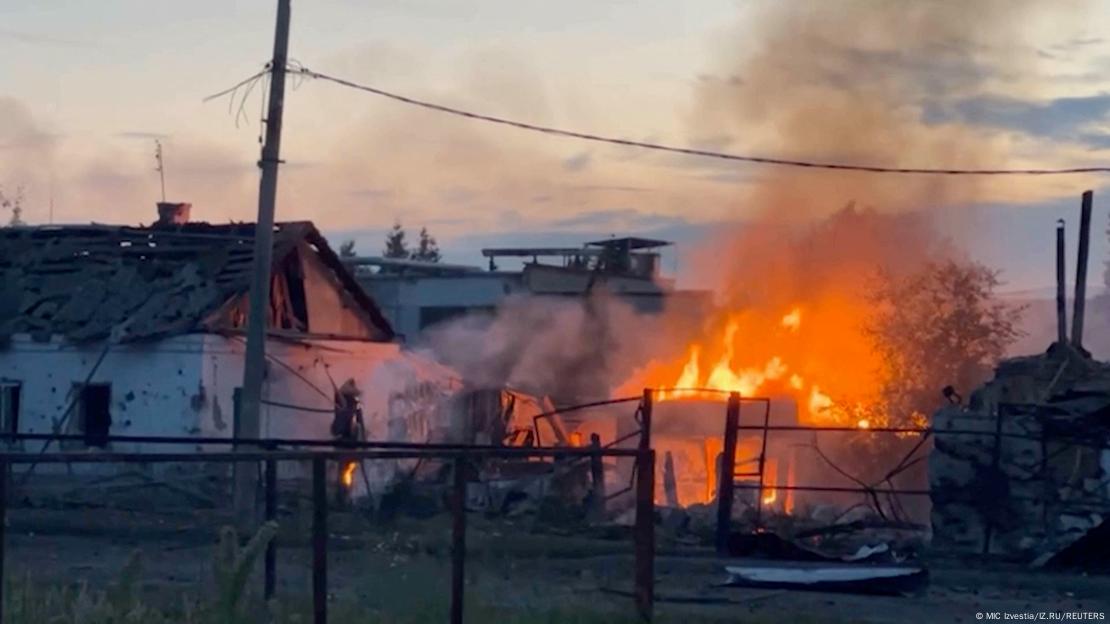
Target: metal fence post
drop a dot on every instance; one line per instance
(644, 530)
(644, 534)
(319, 541)
(270, 578)
(3, 527)
(597, 478)
(645, 419)
(725, 484)
(458, 541)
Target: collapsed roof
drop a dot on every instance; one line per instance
(95, 282)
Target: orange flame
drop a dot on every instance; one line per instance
(770, 478)
(725, 376)
(793, 320)
(348, 476)
(713, 448)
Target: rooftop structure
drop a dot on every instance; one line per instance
(91, 282)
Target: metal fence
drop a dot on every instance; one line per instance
(459, 456)
(269, 453)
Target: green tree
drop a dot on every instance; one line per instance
(395, 245)
(347, 249)
(939, 326)
(427, 249)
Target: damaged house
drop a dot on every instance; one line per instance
(114, 330)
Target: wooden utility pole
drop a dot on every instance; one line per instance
(1081, 270)
(255, 361)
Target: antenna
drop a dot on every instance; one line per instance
(161, 168)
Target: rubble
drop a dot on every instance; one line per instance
(1021, 471)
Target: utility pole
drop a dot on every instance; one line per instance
(246, 475)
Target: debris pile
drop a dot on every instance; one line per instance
(1022, 470)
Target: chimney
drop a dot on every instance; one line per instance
(170, 213)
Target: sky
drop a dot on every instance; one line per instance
(86, 88)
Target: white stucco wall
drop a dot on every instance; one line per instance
(306, 374)
(403, 396)
(154, 387)
(185, 386)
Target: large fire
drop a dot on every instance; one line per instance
(793, 372)
(814, 355)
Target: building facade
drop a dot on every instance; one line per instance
(417, 295)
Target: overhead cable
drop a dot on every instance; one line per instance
(585, 136)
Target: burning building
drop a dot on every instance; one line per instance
(114, 330)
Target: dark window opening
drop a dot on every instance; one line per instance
(94, 413)
(10, 394)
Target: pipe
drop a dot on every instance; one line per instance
(1061, 287)
(1081, 270)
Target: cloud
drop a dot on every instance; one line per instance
(578, 162)
(138, 134)
(20, 130)
(45, 40)
(617, 188)
(847, 82)
(371, 193)
(1076, 44)
(1095, 140)
(1060, 119)
(628, 220)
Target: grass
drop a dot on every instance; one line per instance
(401, 581)
(30, 603)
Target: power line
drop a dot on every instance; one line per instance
(232, 89)
(303, 71)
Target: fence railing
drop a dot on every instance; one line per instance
(459, 456)
(272, 451)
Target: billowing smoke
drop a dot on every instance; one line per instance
(852, 81)
(857, 81)
(867, 82)
(569, 349)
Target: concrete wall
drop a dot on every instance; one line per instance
(185, 386)
(156, 389)
(404, 397)
(303, 374)
(401, 298)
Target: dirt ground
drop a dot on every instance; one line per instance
(517, 567)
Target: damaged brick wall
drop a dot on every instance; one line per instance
(1022, 471)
